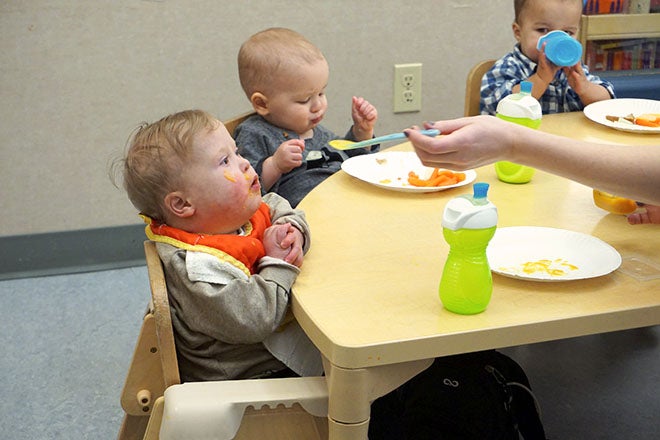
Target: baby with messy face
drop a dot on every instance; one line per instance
(185, 171)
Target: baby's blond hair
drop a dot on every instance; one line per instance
(268, 53)
(155, 158)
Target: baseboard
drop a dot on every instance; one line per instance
(56, 253)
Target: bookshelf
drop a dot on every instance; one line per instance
(624, 27)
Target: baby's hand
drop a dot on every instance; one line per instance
(545, 70)
(285, 242)
(364, 118)
(576, 78)
(289, 155)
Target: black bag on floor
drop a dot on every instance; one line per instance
(484, 395)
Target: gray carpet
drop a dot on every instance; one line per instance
(67, 341)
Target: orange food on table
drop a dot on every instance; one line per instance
(648, 120)
(614, 204)
(438, 178)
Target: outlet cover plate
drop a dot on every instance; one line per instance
(407, 87)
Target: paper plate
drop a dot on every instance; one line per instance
(548, 254)
(390, 170)
(598, 111)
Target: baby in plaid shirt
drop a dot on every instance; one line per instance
(558, 89)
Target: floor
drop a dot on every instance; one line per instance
(67, 341)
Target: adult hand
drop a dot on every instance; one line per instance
(650, 215)
(465, 142)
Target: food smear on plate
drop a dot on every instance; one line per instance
(645, 119)
(555, 268)
(438, 178)
(558, 267)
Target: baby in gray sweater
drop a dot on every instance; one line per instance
(285, 76)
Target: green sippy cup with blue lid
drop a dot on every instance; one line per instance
(523, 109)
(468, 224)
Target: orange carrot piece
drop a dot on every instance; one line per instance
(648, 120)
(437, 178)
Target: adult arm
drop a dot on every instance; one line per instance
(627, 171)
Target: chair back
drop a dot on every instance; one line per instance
(234, 122)
(154, 366)
(473, 87)
(161, 312)
(270, 411)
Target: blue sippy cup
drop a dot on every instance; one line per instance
(560, 48)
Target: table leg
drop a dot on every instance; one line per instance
(351, 391)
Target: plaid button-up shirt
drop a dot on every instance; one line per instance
(514, 68)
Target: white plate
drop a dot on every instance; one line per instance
(574, 255)
(598, 111)
(390, 170)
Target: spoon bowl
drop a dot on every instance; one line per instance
(343, 144)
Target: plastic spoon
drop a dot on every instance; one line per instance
(342, 144)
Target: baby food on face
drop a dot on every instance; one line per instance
(229, 176)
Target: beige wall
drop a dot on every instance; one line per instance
(76, 76)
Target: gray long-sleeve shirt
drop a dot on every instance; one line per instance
(220, 315)
(257, 140)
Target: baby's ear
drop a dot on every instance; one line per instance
(178, 205)
(516, 31)
(259, 103)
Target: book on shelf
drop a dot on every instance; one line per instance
(633, 54)
(593, 7)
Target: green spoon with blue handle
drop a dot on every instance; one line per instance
(343, 144)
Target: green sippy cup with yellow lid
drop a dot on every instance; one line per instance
(523, 109)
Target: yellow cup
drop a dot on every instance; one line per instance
(614, 204)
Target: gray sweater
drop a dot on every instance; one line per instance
(221, 316)
(257, 140)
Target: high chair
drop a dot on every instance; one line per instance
(157, 405)
(234, 122)
(473, 87)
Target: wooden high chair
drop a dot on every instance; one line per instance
(157, 405)
(473, 87)
(234, 122)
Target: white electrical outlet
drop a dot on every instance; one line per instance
(407, 87)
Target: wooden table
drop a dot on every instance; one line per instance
(368, 292)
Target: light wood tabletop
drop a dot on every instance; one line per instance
(367, 294)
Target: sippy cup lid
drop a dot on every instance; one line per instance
(521, 105)
(526, 87)
(470, 211)
(480, 190)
